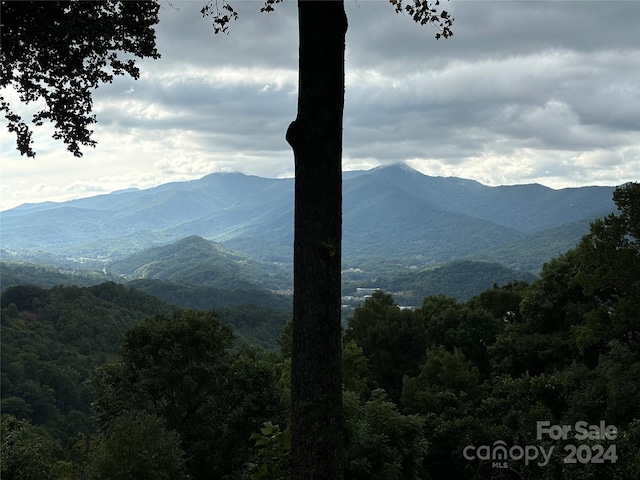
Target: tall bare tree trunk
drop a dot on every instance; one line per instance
(316, 138)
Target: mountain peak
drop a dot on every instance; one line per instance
(194, 240)
(397, 166)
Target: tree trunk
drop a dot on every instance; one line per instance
(316, 138)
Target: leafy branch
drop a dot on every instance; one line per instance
(424, 12)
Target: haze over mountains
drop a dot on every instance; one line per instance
(390, 212)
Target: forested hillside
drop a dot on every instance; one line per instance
(46, 276)
(52, 340)
(471, 389)
(460, 279)
(530, 253)
(197, 261)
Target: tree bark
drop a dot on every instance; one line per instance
(316, 138)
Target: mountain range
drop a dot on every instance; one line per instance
(391, 212)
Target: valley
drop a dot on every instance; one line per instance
(226, 238)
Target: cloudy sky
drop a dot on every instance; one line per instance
(529, 91)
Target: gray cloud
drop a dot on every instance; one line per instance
(545, 91)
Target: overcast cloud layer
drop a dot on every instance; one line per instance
(531, 91)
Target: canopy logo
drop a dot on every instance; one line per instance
(499, 454)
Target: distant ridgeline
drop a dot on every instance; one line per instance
(392, 214)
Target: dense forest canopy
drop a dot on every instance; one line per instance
(424, 390)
